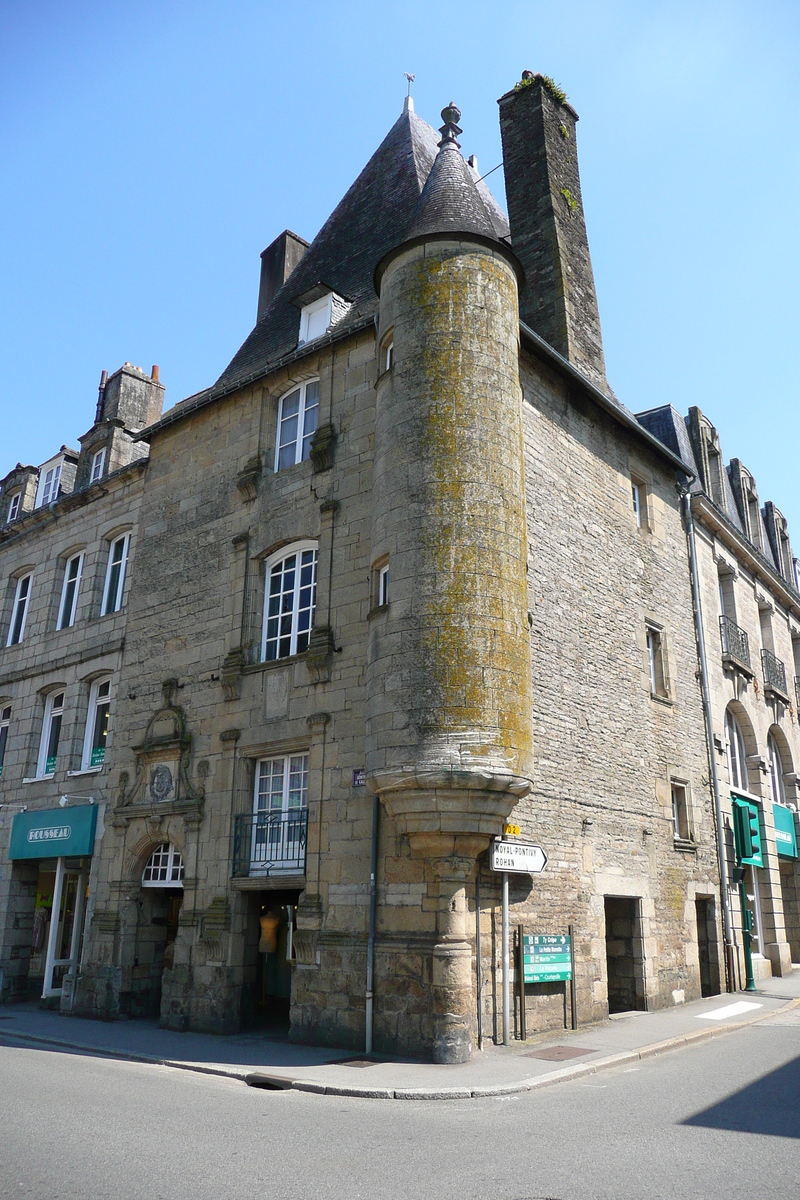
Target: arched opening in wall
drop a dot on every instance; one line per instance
(269, 951)
(783, 794)
(159, 913)
(740, 743)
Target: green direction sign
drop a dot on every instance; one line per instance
(546, 957)
(54, 833)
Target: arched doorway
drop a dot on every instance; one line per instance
(159, 913)
(779, 761)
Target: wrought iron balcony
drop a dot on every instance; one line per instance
(270, 843)
(735, 645)
(774, 675)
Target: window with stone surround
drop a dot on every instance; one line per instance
(14, 506)
(98, 462)
(681, 812)
(291, 594)
(116, 571)
(51, 734)
(736, 754)
(94, 742)
(656, 662)
(297, 423)
(19, 610)
(49, 480)
(69, 591)
(164, 867)
(280, 804)
(5, 722)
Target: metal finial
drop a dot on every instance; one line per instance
(410, 79)
(450, 130)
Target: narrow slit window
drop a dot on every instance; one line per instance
(5, 722)
(383, 585)
(69, 592)
(636, 493)
(655, 660)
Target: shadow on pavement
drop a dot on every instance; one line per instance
(769, 1106)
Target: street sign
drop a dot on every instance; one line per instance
(519, 857)
(547, 958)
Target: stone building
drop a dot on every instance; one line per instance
(68, 540)
(751, 621)
(408, 572)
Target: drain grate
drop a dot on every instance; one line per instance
(355, 1062)
(557, 1053)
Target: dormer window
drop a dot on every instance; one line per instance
(49, 480)
(98, 462)
(320, 309)
(14, 506)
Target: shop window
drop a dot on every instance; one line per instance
(5, 722)
(164, 867)
(291, 593)
(115, 574)
(19, 611)
(297, 423)
(69, 592)
(51, 733)
(94, 743)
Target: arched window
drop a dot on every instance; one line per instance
(291, 594)
(775, 771)
(737, 755)
(164, 867)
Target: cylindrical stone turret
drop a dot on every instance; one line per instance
(449, 687)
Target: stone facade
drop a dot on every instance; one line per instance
(427, 558)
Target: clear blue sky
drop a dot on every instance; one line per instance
(151, 150)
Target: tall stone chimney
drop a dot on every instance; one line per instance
(277, 263)
(548, 231)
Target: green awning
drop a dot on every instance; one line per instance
(785, 836)
(54, 833)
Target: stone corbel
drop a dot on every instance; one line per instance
(756, 762)
(248, 477)
(231, 673)
(319, 654)
(321, 449)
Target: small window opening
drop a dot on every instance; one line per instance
(5, 721)
(98, 462)
(164, 867)
(637, 503)
(14, 506)
(383, 585)
(682, 827)
(655, 659)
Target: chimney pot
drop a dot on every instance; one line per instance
(154, 372)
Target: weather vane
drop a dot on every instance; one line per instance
(410, 79)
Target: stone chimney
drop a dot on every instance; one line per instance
(132, 397)
(277, 263)
(548, 232)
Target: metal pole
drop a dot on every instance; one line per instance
(701, 648)
(478, 961)
(523, 1028)
(747, 937)
(55, 921)
(506, 967)
(573, 1004)
(373, 869)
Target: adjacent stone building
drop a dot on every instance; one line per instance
(406, 575)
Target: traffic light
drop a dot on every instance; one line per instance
(747, 832)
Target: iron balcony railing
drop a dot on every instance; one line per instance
(269, 843)
(774, 673)
(734, 641)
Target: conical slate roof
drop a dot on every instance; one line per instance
(450, 201)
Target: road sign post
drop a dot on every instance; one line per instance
(521, 858)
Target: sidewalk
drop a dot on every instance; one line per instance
(544, 1059)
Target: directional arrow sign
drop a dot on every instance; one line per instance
(520, 857)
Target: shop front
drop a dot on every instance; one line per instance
(50, 853)
(785, 820)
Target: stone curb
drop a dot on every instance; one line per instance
(274, 1082)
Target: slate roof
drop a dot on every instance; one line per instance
(667, 424)
(450, 201)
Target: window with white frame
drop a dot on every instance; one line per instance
(94, 742)
(777, 785)
(115, 574)
(5, 722)
(164, 867)
(69, 591)
(315, 318)
(681, 815)
(383, 585)
(736, 754)
(19, 610)
(49, 480)
(291, 595)
(655, 661)
(14, 505)
(636, 492)
(51, 733)
(280, 804)
(297, 423)
(98, 462)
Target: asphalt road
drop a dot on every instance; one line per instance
(721, 1119)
